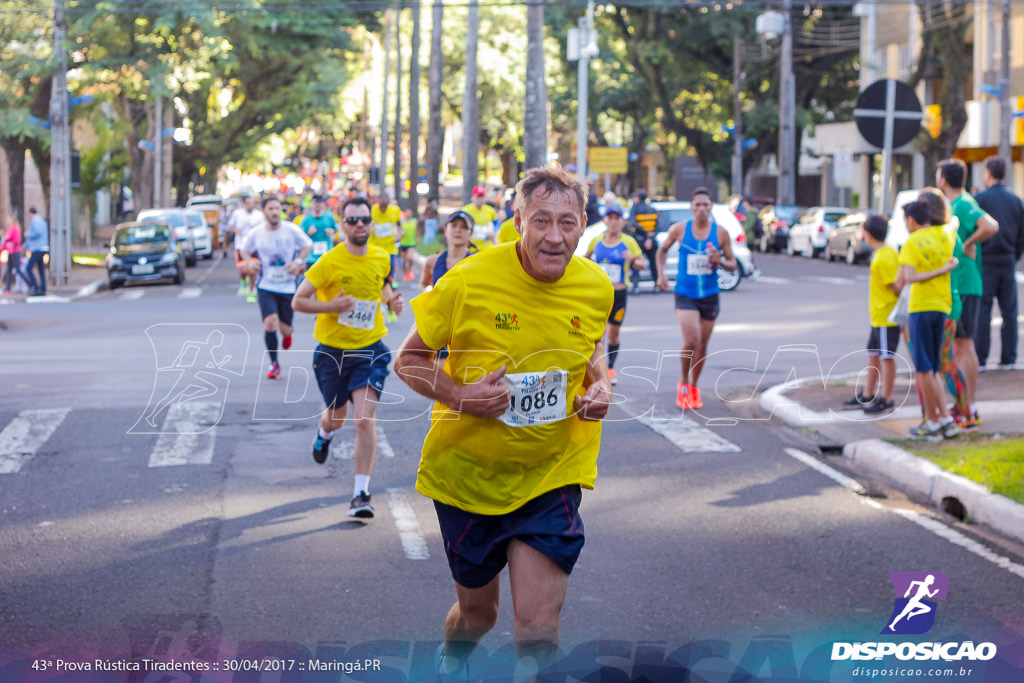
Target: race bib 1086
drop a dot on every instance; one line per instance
(536, 398)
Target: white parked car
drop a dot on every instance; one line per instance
(898, 232)
(202, 236)
(674, 212)
(810, 235)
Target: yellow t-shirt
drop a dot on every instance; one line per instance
(385, 227)
(884, 268)
(483, 217)
(928, 249)
(362, 277)
(483, 465)
(508, 233)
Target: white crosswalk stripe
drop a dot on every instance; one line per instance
(190, 293)
(343, 445)
(25, 434)
(409, 532)
(187, 436)
(131, 294)
(688, 435)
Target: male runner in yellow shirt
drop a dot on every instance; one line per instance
(345, 288)
(387, 219)
(516, 429)
(484, 216)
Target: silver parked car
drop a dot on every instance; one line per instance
(176, 218)
(810, 235)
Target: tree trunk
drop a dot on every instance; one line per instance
(15, 150)
(397, 159)
(139, 118)
(435, 135)
(471, 108)
(414, 112)
(535, 125)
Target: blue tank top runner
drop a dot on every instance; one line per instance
(613, 256)
(695, 278)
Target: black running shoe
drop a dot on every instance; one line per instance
(360, 506)
(879, 405)
(858, 401)
(321, 448)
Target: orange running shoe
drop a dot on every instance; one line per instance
(611, 376)
(695, 401)
(683, 397)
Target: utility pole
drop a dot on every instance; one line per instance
(1005, 113)
(587, 43)
(60, 156)
(397, 157)
(414, 111)
(787, 114)
(737, 116)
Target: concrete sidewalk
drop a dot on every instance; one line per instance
(865, 439)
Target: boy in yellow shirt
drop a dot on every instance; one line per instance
(925, 263)
(885, 336)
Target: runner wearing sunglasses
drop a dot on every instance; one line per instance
(345, 288)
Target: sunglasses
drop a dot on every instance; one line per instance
(356, 220)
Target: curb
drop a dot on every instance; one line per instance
(90, 289)
(936, 484)
(913, 474)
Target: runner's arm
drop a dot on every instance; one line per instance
(305, 301)
(416, 365)
(593, 404)
(427, 277)
(674, 233)
(726, 261)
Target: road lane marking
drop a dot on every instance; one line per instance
(768, 279)
(837, 477)
(687, 435)
(25, 434)
(413, 542)
(936, 527)
(132, 294)
(190, 293)
(343, 446)
(187, 436)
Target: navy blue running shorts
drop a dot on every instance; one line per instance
(707, 307)
(272, 303)
(339, 372)
(926, 328)
(477, 545)
(883, 341)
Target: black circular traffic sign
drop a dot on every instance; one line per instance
(870, 113)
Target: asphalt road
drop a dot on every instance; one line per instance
(711, 548)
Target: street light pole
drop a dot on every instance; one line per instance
(1005, 110)
(60, 156)
(587, 42)
(787, 113)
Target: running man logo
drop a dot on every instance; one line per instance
(195, 364)
(575, 322)
(917, 593)
(506, 321)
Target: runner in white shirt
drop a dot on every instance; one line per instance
(281, 248)
(244, 220)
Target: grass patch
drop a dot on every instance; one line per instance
(994, 461)
(89, 259)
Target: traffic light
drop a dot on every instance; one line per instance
(933, 120)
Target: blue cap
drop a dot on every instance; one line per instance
(614, 208)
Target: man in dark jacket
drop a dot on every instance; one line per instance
(643, 224)
(1000, 254)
